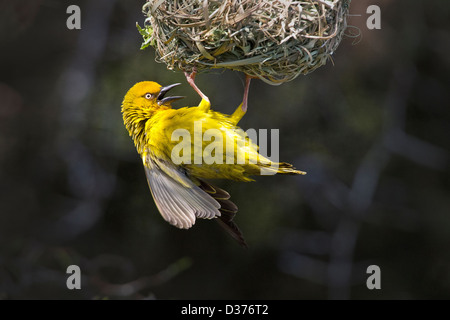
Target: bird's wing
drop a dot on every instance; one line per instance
(177, 197)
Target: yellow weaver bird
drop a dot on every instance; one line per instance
(179, 189)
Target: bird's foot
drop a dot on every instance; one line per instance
(190, 77)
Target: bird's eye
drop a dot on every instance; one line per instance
(148, 96)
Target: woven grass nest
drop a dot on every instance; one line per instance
(274, 40)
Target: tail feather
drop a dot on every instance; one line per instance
(287, 168)
(233, 230)
(227, 209)
(279, 168)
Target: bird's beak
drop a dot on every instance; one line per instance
(161, 100)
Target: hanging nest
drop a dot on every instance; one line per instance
(274, 40)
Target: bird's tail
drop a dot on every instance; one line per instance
(227, 209)
(287, 168)
(279, 168)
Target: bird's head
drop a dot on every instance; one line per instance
(150, 95)
(141, 102)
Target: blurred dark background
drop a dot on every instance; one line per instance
(371, 129)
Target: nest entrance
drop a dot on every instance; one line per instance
(274, 40)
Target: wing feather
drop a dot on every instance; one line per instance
(169, 205)
(179, 200)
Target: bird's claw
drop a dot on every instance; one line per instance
(190, 77)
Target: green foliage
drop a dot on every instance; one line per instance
(146, 33)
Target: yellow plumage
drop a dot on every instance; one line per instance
(210, 145)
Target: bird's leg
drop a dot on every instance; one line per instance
(246, 89)
(242, 109)
(190, 77)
